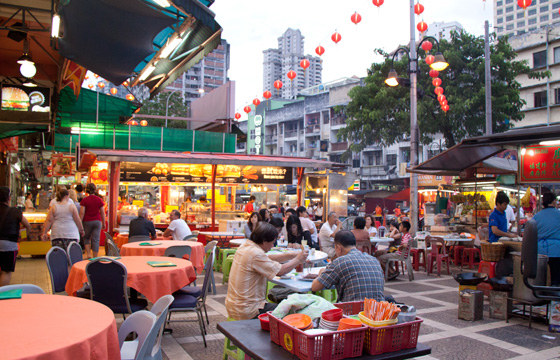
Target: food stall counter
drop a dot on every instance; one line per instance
(32, 244)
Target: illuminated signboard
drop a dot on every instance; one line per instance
(539, 164)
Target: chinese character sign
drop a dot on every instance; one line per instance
(539, 164)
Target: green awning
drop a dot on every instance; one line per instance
(72, 111)
(15, 123)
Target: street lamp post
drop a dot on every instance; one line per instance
(167, 104)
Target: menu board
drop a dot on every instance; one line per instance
(61, 165)
(539, 164)
(21, 98)
(201, 173)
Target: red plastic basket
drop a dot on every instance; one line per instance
(379, 340)
(329, 346)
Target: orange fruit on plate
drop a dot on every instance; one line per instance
(300, 321)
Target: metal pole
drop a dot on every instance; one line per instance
(487, 79)
(413, 125)
(97, 112)
(161, 145)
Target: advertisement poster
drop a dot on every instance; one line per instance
(62, 165)
(199, 173)
(539, 164)
(99, 173)
(22, 98)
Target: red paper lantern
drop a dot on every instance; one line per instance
(144, 123)
(86, 77)
(90, 86)
(418, 9)
(133, 122)
(101, 85)
(95, 76)
(444, 102)
(129, 97)
(304, 64)
(319, 50)
(524, 3)
(247, 109)
(436, 82)
(438, 90)
(256, 102)
(433, 73)
(291, 74)
(441, 98)
(114, 91)
(378, 3)
(427, 46)
(267, 94)
(125, 83)
(356, 18)
(430, 59)
(422, 26)
(336, 37)
(278, 84)
(237, 116)
(445, 108)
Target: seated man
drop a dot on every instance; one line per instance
(497, 222)
(362, 235)
(327, 234)
(404, 244)
(177, 227)
(355, 275)
(141, 225)
(251, 269)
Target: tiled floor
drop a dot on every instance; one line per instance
(435, 298)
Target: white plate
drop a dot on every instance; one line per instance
(301, 277)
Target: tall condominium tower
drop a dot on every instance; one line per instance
(510, 19)
(279, 61)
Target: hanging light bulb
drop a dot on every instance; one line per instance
(28, 69)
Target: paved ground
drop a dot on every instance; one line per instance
(436, 301)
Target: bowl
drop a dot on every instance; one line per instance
(300, 321)
(468, 278)
(265, 323)
(332, 315)
(348, 323)
(502, 283)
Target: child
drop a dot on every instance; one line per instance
(405, 242)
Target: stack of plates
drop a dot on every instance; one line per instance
(328, 325)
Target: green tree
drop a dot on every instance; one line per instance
(379, 114)
(158, 105)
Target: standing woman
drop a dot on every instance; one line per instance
(92, 213)
(64, 222)
(265, 215)
(252, 224)
(29, 203)
(370, 225)
(548, 229)
(10, 220)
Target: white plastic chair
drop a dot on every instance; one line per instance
(27, 288)
(141, 323)
(404, 260)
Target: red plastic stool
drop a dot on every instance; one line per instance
(468, 255)
(488, 267)
(418, 261)
(458, 255)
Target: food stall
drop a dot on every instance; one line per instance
(173, 180)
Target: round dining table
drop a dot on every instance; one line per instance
(122, 239)
(157, 248)
(152, 282)
(57, 327)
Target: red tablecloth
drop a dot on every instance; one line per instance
(197, 250)
(122, 239)
(57, 327)
(151, 281)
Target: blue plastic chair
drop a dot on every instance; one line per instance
(27, 288)
(141, 323)
(74, 253)
(107, 280)
(185, 302)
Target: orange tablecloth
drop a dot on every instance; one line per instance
(57, 327)
(197, 251)
(122, 239)
(150, 281)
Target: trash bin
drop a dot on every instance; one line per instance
(520, 291)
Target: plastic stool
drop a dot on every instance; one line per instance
(228, 262)
(487, 267)
(328, 294)
(468, 254)
(217, 260)
(224, 253)
(269, 285)
(418, 261)
(458, 255)
(232, 350)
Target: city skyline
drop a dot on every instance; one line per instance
(317, 21)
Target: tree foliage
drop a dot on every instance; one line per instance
(158, 106)
(379, 114)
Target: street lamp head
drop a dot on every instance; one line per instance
(392, 78)
(439, 63)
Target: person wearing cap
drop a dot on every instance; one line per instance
(10, 220)
(92, 214)
(177, 227)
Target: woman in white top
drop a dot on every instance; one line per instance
(64, 221)
(370, 225)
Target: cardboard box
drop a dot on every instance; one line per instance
(470, 305)
(554, 317)
(500, 306)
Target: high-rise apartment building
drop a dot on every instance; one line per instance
(278, 62)
(442, 30)
(207, 75)
(510, 19)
